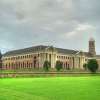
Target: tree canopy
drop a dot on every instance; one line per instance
(93, 65)
(58, 65)
(46, 65)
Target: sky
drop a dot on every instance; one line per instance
(62, 23)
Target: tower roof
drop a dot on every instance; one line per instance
(91, 39)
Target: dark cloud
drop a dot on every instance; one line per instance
(62, 23)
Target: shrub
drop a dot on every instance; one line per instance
(59, 65)
(46, 65)
(93, 65)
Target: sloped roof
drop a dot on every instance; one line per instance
(87, 54)
(38, 48)
(25, 50)
(66, 51)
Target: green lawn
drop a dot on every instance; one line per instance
(58, 88)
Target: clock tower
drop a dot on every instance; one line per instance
(92, 47)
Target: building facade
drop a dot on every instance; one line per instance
(34, 57)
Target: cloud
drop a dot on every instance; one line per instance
(26, 23)
(79, 31)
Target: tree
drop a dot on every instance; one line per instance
(46, 65)
(59, 65)
(85, 66)
(93, 65)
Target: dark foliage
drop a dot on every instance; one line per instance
(46, 65)
(93, 65)
(59, 65)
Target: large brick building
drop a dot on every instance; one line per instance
(34, 57)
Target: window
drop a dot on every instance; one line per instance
(35, 57)
(29, 56)
(6, 65)
(23, 64)
(19, 65)
(8, 58)
(27, 64)
(18, 57)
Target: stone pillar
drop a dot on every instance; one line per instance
(41, 60)
(81, 62)
(76, 62)
(73, 61)
(53, 60)
(48, 56)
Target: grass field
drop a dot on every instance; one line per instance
(58, 88)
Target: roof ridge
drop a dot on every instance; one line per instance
(37, 48)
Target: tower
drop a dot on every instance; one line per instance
(92, 47)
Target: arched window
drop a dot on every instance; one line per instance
(12, 66)
(6, 66)
(35, 57)
(23, 65)
(66, 65)
(27, 64)
(9, 66)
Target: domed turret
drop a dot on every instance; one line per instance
(92, 39)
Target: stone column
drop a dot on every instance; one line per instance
(41, 60)
(73, 61)
(76, 62)
(53, 60)
(48, 56)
